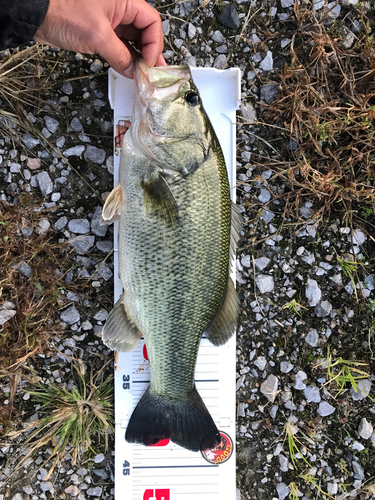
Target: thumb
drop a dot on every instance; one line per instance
(116, 53)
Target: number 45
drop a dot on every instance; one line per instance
(126, 470)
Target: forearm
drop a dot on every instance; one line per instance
(19, 20)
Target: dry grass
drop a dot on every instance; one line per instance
(326, 103)
(24, 76)
(36, 299)
(71, 420)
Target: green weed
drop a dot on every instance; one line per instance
(72, 418)
(343, 372)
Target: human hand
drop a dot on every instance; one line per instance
(105, 27)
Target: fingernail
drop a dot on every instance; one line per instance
(129, 72)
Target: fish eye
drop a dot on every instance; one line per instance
(192, 98)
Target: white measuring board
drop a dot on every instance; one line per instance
(169, 472)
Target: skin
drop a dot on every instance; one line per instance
(105, 28)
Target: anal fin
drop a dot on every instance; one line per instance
(119, 333)
(223, 325)
(112, 206)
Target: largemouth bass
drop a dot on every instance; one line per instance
(177, 235)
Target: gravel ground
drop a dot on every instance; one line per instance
(283, 256)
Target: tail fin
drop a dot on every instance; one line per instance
(187, 422)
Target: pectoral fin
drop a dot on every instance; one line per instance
(224, 324)
(159, 199)
(119, 333)
(112, 206)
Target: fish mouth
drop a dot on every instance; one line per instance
(161, 83)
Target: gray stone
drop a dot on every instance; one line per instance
(99, 103)
(359, 237)
(223, 49)
(363, 389)
(238, 494)
(96, 66)
(67, 88)
(260, 363)
(313, 292)
(325, 409)
(261, 263)
(267, 216)
(333, 10)
(104, 246)
(300, 377)
(229, 17)
(369, 282)
(101, 473)
(42, 226)
(60, 142)
(98, 459)
(6, 315)
(323, 309)
(70, 315)
(359, 473)
(218, 37)
(269, 92)
(45, 183)
(284, 463)
(312, 338)
(76, 125)
(79, 226)
(267, 63)
(24, 269)
(101, 315)
(96, 228)
(220, 61)
(27, 489)
(51, 124)
(55, 196)
(269, 387)
(282, 490)
(249, 114)
(94, 154)
(95, 492)
(318, 4)
(265, 283)
(286, 367)
(165, 27)
(29, 141)
(365, 429)
(246, 261)
(312, 395)
(47, 486)
(15, 168)
(332, 488)
(109, 164)
(83, 243)
(264, 196)
(60, 223)
(18, 496)
(74, 151)
(105, 271)
(72, 490)
(308, 257)
(286, 3)
(191, 31)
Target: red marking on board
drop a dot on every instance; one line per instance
(160, 494)
(162, 442)
(145, 355)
